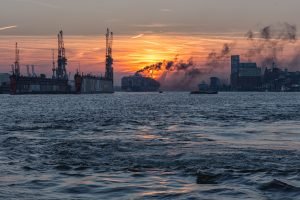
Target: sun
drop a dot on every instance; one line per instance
(152, 58)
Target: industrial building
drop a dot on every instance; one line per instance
(245, 76)
(276, 79)
(4, 83)
(138, 83)
(249, 77)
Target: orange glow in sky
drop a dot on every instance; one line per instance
(130, 53)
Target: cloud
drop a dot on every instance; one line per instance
(40, 3)
(113, 20)
(165, 10)
(137, 36)
(155, 25)
(161, 25)
(7, 27)
(154, 43)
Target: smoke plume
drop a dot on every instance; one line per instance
(264, 47)
(268, 43)
(175, 74)
(218, 60)
(186, 75)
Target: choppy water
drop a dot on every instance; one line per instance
(150, 146)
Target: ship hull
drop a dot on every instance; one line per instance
(204, 92)
(37, 85)
(20, 85)
(93, 85)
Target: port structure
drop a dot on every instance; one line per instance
(61, 70)
(53, 65)
(109, 72)
(59, 83)
(16, 66)
(91, 84)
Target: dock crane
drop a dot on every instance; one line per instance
(61, 71)
(109, 71)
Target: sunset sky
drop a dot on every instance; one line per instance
(145, 31)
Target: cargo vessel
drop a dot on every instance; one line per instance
(203, 88)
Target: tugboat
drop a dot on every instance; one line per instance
(203, 88)
(204, 92)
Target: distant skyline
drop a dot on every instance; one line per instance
(146, 31)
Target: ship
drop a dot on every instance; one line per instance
(203, 88)
(59, 83)
(91, 84)
(204, 92)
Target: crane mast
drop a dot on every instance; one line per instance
(61, 71)
(16, 68)
(53, 65)
(109, 74)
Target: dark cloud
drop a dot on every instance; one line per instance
(269, 42)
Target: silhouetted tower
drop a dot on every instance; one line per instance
(109, 71)
(16, 68)
(53, 65)
(28, 71)
(33, 71)
(235, 67)
(61, 71)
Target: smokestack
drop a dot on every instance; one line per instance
(13, 69)
(28, 73)
(33, 72)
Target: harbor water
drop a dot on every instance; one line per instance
(150, 146)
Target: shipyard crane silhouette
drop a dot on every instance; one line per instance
(109, 72)
(16, 67)
(61, 71)
(53, 65)
(59, 82)
(91, 84)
